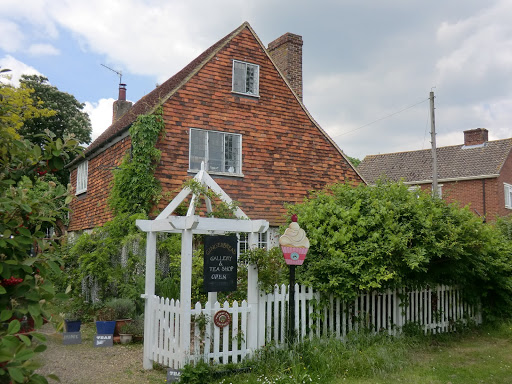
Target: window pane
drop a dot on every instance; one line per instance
(232, 153)
(215, 151)
(251, 79)
(239, 76)
(197, 148)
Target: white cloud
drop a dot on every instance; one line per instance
(17, 69)
(43, 50)
(100, 113)
(11, 37)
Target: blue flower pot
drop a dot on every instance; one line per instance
(105, 327)
(73, 325)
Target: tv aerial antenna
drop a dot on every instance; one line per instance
(119, 73)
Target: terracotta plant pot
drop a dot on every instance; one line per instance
(119, 324)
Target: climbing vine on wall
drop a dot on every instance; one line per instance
(135, 187)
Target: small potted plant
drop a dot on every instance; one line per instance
(73, 321)
(138, 328)
(123, 310)
(126, 332)
(105, 321)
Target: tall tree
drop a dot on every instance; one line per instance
(68, 119)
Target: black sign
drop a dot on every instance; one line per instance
(103, 340)
(173, 375)
(69, 338)
(220, 264)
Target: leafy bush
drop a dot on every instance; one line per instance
(365, 238)
(29, 203)
(122, 308)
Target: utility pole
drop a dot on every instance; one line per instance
(433, 141)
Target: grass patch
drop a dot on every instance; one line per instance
(481, 355)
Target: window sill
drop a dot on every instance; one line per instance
(80, 193)
(229, 174)
(248, 95)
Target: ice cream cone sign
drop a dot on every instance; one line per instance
(294, 243)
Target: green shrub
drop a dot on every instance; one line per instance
(122, 308)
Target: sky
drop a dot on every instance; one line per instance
(368, 66)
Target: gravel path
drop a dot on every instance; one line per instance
(85, 364)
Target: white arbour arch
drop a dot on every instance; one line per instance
(187, 226)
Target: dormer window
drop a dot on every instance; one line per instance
(246, 78)
(81, 177)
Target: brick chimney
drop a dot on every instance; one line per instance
(476, 136)
(286, 51)
(121, 106)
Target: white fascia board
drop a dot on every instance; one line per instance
(447, 180)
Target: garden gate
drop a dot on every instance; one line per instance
(167, 325)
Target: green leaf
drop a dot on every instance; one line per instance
(25, 232)
(54, 377)
(25, 354)
(25, 340)
(2, 290)
(55, 268)
(26, 207)
(48, 287)
(69, 199)
(7, 233)
(16, 374)
(5, 315)
(61, 296)
(14, 327)
(29, 261)
(34, 310)
(38, 336)
(40, 348)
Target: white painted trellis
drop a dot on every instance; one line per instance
(174, 318)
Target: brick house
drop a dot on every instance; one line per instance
(478, 172)
(237, 107)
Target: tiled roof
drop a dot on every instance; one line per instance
(454, 162)
(153, 99)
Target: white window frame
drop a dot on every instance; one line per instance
(82, 172)
(508, 195)
(243, 70)
(243, 242)
(206, 159)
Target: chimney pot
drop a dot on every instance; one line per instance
(122, 92)
(476, 136)
(121, 106)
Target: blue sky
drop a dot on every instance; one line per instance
(362, 60)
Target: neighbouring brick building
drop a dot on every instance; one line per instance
(478, 172)
(237, 107)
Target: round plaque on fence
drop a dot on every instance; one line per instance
(222, 318)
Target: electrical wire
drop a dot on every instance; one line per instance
(382, 118)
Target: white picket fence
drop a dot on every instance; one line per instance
(435, 310)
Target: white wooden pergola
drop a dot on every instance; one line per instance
(188, 226)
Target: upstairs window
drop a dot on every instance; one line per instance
(246, 78)
(221, 152)
(508, 195)
(81, 177)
